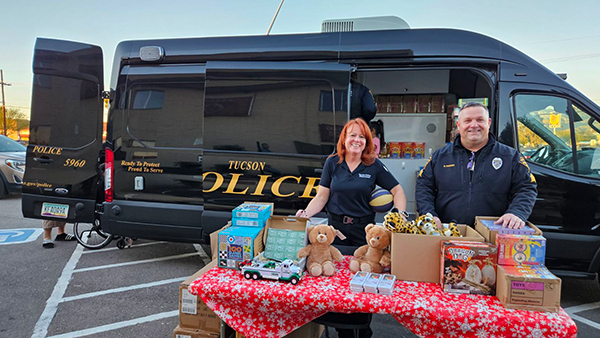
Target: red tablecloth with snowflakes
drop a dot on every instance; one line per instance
(272, 309)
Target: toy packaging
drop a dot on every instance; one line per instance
(249, 222)
(526, 230)
(371, 282)
(237, 244)
(356, 284)
(284, 236)
(408, 149)
(468, 267)
(521, 249)
(252, 211)
(528, 287)
(419, 149)
(386, 284)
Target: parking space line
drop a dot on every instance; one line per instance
(118, 325)
(202, 253)
(112, 249)
(123, 289)
(41, 327)
(582, 307)
(586, 321)
(92, 268)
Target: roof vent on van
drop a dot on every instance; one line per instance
(363, 24)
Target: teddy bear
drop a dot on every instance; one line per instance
(373, 256)
(320, 254)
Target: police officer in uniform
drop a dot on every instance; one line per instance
(362, 103)
(476, 176)
(348, 178)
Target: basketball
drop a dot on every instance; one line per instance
(381, 200)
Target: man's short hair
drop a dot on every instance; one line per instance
(474, 104)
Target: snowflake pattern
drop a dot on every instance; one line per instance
(273, 309)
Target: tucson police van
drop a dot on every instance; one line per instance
(197, 126)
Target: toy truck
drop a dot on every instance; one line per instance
(285, 271)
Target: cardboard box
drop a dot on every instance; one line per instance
(181, 332)
(253, 210)
(238, 244)
(531, 288)
(308, 330)
(193, 312)
(424, 105)
(437, 104)
(417, 257)
(468, 267)
(521, 249)
(296, 226)
(490, 235)
(409, 104)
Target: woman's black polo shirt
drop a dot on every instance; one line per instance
(351, 191)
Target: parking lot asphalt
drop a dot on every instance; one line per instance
(69, 291)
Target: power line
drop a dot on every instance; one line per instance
(573, 57)
(561, 40)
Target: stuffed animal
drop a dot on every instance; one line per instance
(320, 254)
(374, 256)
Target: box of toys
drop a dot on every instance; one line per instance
(521, 250)
(238, 244)
(531, 288)
(251, 214)
(284, 236)
(370, 282)
(486, 227)
(468, 267)
(417, 257)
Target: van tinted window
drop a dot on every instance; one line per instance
(547, 126)
(167, 115)
(281, 116)
(69, 117)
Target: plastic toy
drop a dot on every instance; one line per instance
(285, 271)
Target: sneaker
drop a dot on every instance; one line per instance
(48, 244)
(65, 237)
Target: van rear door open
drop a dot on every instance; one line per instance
(268, 129)
(66, 132)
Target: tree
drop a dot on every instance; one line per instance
(16, 120)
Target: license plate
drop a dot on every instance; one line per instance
(55, 210)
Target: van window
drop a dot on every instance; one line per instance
(280, 116)
(166, 115)
(547, 127)
(67, 117)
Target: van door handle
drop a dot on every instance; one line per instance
(43, 160)
(318, 171)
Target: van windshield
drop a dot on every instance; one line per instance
(8, 145)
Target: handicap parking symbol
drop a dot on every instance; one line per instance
(15, 236)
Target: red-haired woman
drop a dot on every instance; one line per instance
(348, 178)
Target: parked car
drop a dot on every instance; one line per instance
(12, 166)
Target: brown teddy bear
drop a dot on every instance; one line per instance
(373, 256)
(320, 254)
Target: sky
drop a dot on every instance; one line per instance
(562, 35)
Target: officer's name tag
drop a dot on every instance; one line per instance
(364, 175)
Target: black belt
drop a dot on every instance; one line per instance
(351, 220)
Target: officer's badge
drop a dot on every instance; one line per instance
(497, 163)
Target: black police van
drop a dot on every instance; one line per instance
(197, 126)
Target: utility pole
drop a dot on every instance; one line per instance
(2, 84)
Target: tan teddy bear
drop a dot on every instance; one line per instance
(320, 253)
(374, 256)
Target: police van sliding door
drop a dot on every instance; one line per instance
(65, 132)
(268, 129)
(158, 142)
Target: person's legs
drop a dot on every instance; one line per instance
(47, 242)
(62, 236)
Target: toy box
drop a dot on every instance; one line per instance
(356, 284)
(521, 249)
(485, 226)
(249, 222)
(408, 149)
(386, 284)
(531, 288)
(468, 267)
(237, 244)
(419, 149)
(251, 210)
(284, 236)
(417, 257)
